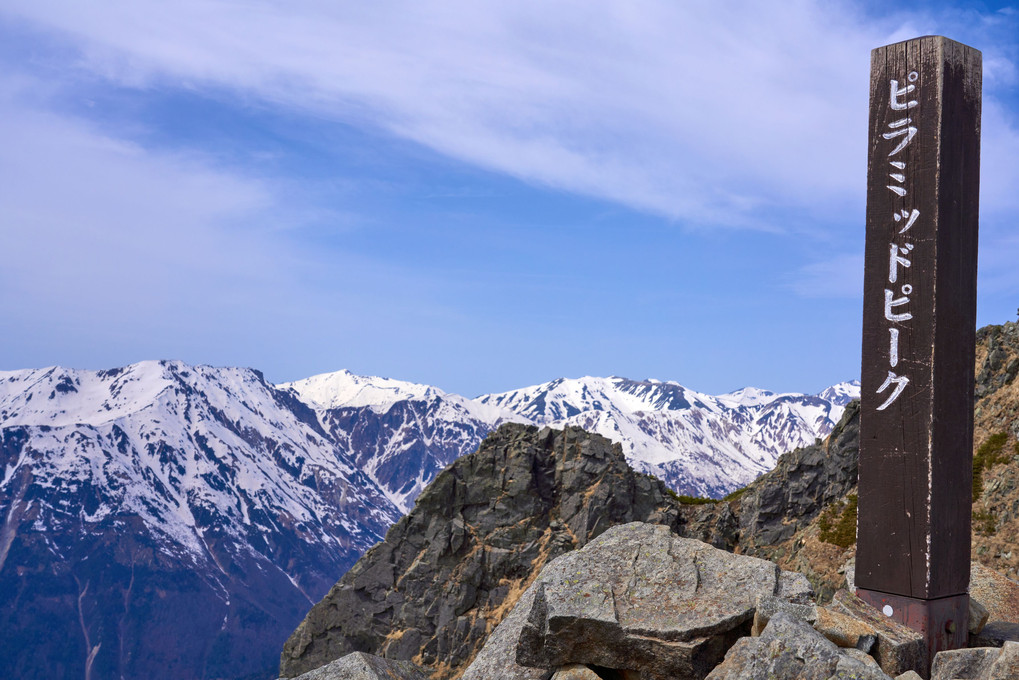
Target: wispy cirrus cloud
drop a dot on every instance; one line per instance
(732, 114)
(707, 113)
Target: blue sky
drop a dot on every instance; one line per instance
(478, 196)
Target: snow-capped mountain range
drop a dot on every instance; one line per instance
(700, 445)
(172, 521)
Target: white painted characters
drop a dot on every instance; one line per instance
(899, 253)
(900, 382)
(903, 91)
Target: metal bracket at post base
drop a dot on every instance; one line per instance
(943, 622)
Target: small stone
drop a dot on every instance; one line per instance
(898, 648)
(908, 675)
(860, 655)
(794, 587)
(361, 666)
(769, 605)
(845, 630)
(789, 649)
(995, 634)
(978, 616)
(849, 569)
(963, 663)
(575, 671)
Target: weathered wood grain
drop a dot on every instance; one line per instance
(916, 449)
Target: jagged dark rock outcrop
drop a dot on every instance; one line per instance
(480, 533)
(449, 571)
(779, 502)
(803, 482)
(996, 471)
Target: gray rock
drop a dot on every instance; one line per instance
(575, 671)
(1006, 666)
(498, 657)
(908, 675)
(978, 616)
(966, 664)
(845, 630)
(452, 568)
(860, 655)
(995, 634)
(795, 588)
(360, 666)
(643, 599)
(769, 605)
(849, 571)
(898, 649)
(790, 649)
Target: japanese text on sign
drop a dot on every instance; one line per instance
(897, 295)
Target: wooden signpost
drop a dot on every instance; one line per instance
(919, 320)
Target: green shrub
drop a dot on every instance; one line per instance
(989, 454)
(838, 523)
(695, 500)
(985, 523)
(736, 494)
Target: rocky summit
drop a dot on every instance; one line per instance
(469, 556)
(642, 603)
(448, 572)
(543, 556)
(810, 539)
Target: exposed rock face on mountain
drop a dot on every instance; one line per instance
(803, 483)
(167, 521)
(449, 571)
(995, 509)
(772, 508)
(400, 434)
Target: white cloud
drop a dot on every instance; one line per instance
(708, 112)
(713, 113)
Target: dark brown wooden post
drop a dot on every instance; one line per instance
(919, 320)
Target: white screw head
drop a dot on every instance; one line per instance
(888, 611)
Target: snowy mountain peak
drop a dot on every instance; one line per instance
(208, 479)
(748, 396)
(344, 389)
(565, 398)
(842, 393)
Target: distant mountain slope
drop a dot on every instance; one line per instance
(170, 521)
(167, 521)
(400, 434)
(699, 444)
